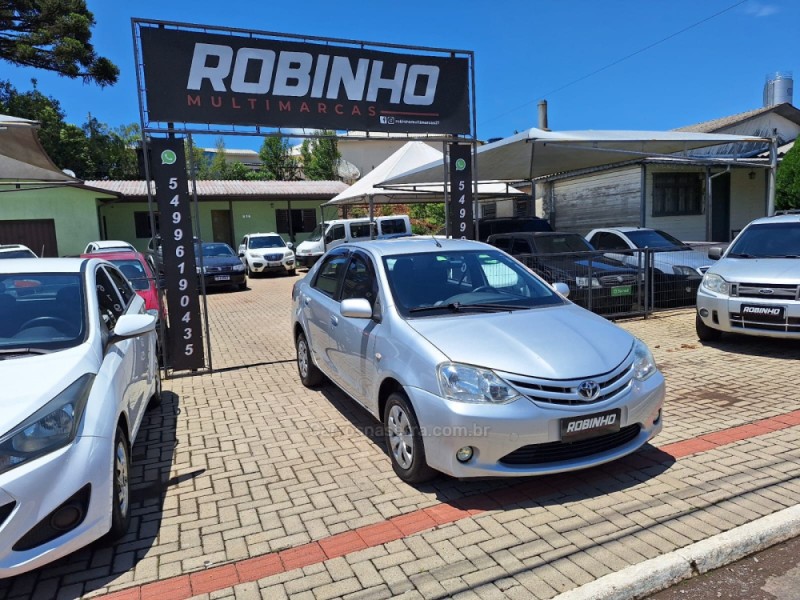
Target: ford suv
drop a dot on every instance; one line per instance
(754, 289)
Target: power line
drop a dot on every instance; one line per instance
(620, 60)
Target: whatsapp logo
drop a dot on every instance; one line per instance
(168, 157)
(461, 164)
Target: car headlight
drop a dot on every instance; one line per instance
(685, 271)
(239, 267)
(464, 383)
(584, 282)
(644, 365)
(200, 269)
(714, 283)
(49, 428)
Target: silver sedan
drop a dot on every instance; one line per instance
(474, 366)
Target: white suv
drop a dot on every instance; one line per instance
(266, 253)
(755, 287)
(16, 251)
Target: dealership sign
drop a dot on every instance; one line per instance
(199, 77)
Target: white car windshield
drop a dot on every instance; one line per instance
(270, 241)
(458, 281)
(41, 312)
(768, 240)
(654, 238)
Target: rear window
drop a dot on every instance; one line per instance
(389, 226)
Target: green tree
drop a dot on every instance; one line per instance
(426, 218)
(321, 157)
(787, 185)
(277, 162)
(53, 35)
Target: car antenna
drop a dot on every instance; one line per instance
(435, 241)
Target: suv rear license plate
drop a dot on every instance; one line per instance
(621, 290)
(763, 313)
(588, 426)
(222, 277)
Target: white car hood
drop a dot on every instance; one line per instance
(31, 381)
(555, 343)
(759, 270)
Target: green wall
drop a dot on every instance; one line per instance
(74, 211)
(247, 216)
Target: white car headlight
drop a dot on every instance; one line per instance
(714, 283)
(584, 282)
(685, 271)
(239, 267)
(644, 365)
(49, 428)
(464, 383)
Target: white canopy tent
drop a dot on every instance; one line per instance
(22, 158)
(537, 153)
(410, 156)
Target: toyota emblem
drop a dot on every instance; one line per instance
(588, 390)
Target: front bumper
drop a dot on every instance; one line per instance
(307, 260)
(497, 431)
(224, 279)
(725, 313)
(262, 265)
(37, 489)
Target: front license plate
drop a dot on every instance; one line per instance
(621, 290)
(588, 426)
(274, 263)
(222, 277)
(763, 313)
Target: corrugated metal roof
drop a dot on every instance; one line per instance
(785, 110)
(260, 189)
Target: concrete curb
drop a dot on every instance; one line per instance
(651, 576)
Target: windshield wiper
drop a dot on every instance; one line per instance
(21, 351)
(459, 307)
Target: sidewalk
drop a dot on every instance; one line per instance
(248, 485)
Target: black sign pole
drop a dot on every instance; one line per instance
(168, 168)
(461, 196)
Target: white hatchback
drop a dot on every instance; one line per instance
(78, 365)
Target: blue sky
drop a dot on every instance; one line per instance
(600, 64)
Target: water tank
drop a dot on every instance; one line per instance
(778, 88)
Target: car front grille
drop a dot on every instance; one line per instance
(790, 325)
(612, 280)
(553, 452)
(222, 269)
(766, 290)
(565, 392)
(273, 257)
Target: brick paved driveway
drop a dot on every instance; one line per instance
(248, 485)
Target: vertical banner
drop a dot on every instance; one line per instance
(462, 221)
(185, 337)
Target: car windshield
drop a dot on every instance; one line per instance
(768, 240)
(316, 235)
(17, 254)
(448, 282)
(134, 272)
(211, 250)
(266, 241)
(556, 244)
(40, 312)
(655, 238)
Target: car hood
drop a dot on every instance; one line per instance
(688, 258)
(565, 342)
(32, 380)
(220, 261)
(266, 251)
(598, 265)
(759, 270)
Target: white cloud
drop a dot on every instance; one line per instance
(757, 9)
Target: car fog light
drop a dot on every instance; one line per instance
(704, 312)
(464, 454)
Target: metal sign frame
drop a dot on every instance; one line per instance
(265, 41)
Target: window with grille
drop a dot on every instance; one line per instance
(490, 210)
(677, 194)
(522, 207)
(141, 221)
(304, 220)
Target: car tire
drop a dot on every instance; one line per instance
(121, 492)
(404, 440)
(310, 375)
(155, 399)
(243, 285)
(704, 332)
(292, 272)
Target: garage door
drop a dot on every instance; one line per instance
(37, 234)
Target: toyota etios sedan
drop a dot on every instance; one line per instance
(474, 365)
(78, 367)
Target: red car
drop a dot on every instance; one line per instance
(135, 267)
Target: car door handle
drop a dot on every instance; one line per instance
(334, 320)
(306, 300)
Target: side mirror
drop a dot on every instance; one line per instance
(561, 287)
(130, 326)
(356, 308)
(289, 245)
(715, 252)
(241, 254)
